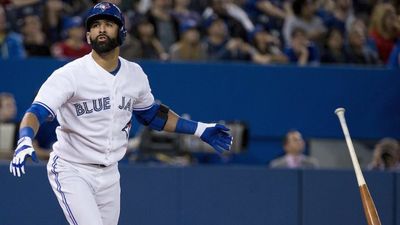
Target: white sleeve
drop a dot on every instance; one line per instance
(146, 98)
(55, 91)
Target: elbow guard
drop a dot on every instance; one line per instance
(159, 121)
(156, 117)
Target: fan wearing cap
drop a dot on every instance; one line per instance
(190, 46)
(94, 98)
(74, 45)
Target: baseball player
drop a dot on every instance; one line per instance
(94, 98)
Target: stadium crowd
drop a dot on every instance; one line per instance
(302, 32)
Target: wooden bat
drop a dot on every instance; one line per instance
(370, 211)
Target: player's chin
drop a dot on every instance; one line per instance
(104, 46)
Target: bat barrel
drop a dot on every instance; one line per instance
(369, 207)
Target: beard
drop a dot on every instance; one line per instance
(104, 46)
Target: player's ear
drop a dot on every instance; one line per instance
(88, 37)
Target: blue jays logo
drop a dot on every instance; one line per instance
(103, 6)
(127, 129)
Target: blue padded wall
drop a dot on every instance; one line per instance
(239, 195)
(214, 195)
(333, 197)
(271, 99)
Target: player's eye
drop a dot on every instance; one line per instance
(95, 25)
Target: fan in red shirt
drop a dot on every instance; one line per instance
(384, 29)
(74, 46)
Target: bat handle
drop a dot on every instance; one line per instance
(360, 178)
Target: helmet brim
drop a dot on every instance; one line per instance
(92, 19)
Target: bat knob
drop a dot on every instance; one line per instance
(339, 111)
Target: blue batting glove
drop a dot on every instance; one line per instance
(215, 135)
(23, 151)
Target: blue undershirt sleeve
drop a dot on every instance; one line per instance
(40, 112)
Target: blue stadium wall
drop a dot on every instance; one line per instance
(270, 99)
(214, 195)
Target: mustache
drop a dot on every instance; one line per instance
(102, 35)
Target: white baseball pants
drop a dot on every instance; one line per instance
(88, 194)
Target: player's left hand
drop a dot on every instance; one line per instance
(22, 152)
(215, 135)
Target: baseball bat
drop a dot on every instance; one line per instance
(370, 211)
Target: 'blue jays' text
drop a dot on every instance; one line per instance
(100, 104)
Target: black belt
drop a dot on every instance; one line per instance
(99, 165)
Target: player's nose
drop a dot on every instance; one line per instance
(102, 28)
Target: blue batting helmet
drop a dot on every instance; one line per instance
(106, 10)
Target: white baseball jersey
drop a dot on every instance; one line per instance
(94, 108)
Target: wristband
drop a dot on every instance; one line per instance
(26, 132)
(185, 126)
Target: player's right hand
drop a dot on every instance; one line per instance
(22, 152)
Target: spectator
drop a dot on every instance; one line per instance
(333, 51)
(219, 8)
(396, 5)
(19, 9)
(166, 27)
(293, 145)
(301, 50)
(133, 15)
(305, 18)
(74, 45)
(384, 29)
(267, 47)
(130, 49)
(9, 129)
(182, 12)
(8, 107)
(53, 13)
(386, 155)
(149, 46)
(216, 39)
(340, 17)
(239, 50)
(239, 14)
(357, 49)
(35, 42)
(189, 47)
(8, 125)
(363, 8)
(11, 46)
(198, 6)
(394, 58)
(359, 24)
(269, 13)
(76, 7)
(56, 10)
